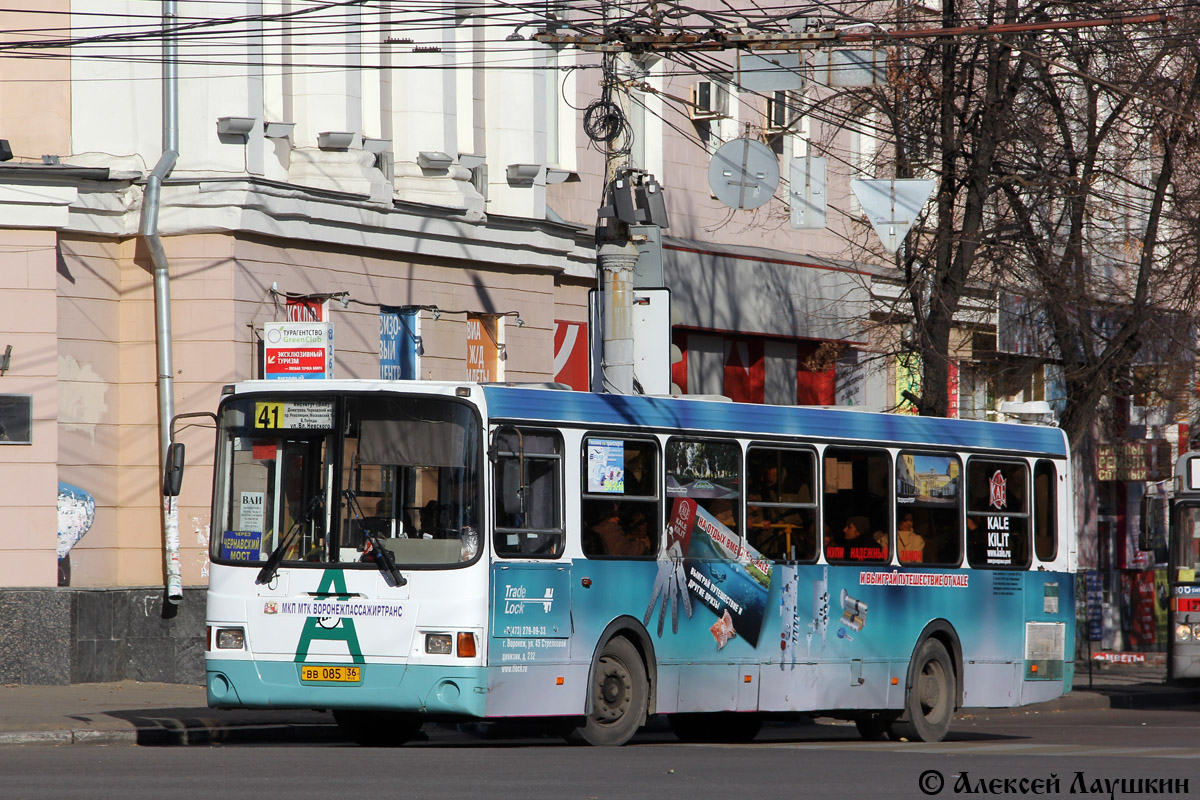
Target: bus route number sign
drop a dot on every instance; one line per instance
(293, 416)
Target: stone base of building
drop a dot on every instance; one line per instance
(66, 635)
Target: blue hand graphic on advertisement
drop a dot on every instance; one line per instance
(670, 583)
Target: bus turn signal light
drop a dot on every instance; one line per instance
(466, 645)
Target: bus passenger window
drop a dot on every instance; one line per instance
(619, 507)
(1045, 510)
(528, 490)
(997, 514)
(928, 509)
(856, 508)
(781, 512)
(708, 472)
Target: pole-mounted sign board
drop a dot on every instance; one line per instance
(297, 350)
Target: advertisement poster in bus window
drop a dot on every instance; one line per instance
(723, 574)
(997, 524)
(606, 466)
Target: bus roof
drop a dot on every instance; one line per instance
(592, 409)
(557, 406)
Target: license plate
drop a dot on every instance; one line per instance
(331, 674)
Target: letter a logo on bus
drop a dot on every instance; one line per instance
(333, 582)
(998, 490)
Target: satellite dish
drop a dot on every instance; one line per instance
(743, 173)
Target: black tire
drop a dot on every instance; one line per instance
(929, 705)
(620, 696)
(874, 727)
(720, 726)
(378, 728)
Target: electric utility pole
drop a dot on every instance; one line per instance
(616, 256)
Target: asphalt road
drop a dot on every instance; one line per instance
(1072, 753)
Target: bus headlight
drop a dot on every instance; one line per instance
(1196, 633)
(1183, 632)
(440, 644)
(231, 639)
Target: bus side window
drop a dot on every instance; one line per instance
(928, 509)
(619, 507)
(856, 507)
(527, 482)
(998, 514)
(1045, 510)
(709, 472)
(781, 512)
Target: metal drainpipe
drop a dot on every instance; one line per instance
(148, 230)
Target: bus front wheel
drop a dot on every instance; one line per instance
(620, 695)
(929, 706)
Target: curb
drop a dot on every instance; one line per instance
(165, 737)
(1146, 696)
(1149, 697)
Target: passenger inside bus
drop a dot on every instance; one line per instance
(610, 530)
(910, 543)
(778, 533)
(856, 544)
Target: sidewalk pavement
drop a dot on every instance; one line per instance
(130, 712)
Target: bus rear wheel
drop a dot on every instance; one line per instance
(377, 728)
(929, 706)
(620, 696)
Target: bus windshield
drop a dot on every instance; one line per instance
(305, 479)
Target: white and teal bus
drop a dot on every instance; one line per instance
(403, 552)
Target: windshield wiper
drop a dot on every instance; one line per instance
(272, 566)
(380, 554)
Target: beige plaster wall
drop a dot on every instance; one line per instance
(35, 93)
(29, 472)
(220, 293)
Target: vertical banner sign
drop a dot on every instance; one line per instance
(1144, 601)
(908, 378)
(1095, 606)
(399, 344)
(482, 350)
(952, 390)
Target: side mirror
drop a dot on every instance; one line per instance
(1150, 533)
(173, 471)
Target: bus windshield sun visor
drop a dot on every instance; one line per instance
(412, 443)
